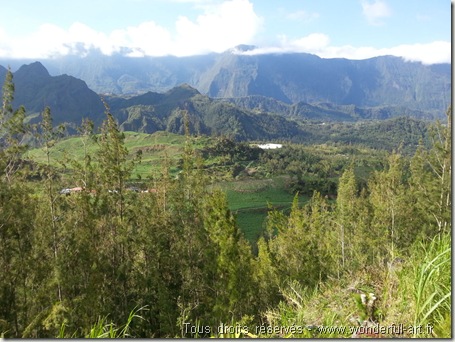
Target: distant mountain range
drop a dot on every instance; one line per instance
(71, 100)
(233, 107)
(289, 78)
(68, 97)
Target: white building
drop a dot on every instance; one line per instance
(270, 146)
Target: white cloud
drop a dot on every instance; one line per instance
(319, 44)
(46, 41)
(146, 39)
(315, 42)
(375, 11)
(220, 27)
(431, 53)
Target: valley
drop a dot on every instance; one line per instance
(255, 180)
(178, 214)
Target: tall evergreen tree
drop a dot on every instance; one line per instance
(113, 214)
(431, 179)
(16, 216)
(352, 223)
(266, 278)
(12, 132)
(233, 267)
(392, 224)
(296, 250)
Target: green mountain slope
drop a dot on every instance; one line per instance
(325, 111)
(290, 78)
(68, 97)
(153, 112)
(253, 117)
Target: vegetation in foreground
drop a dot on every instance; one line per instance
(172, 262)
(253, 179)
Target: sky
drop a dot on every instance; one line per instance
(417, 30)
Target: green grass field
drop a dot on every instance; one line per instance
(249, 201)
(155, 147)
(247, 198)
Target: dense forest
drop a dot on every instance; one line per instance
(109, 261)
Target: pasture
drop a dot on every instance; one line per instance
(249, 200)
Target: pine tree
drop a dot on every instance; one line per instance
(113, 216)
(392, 224)
(265, 277)
(16, 217)
(12, 132)
(17, 211)
(431, 180)
(352, 220)
(48, 310)
(297, 251)
(234, 277)
(112, 159)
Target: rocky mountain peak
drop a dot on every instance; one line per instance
(33, 70)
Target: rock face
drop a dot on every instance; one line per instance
(69, 98)
(290, 78)
(252, 117)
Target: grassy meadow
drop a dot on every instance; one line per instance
(248, 198)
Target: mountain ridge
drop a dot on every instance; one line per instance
(69, 98)
(254, 117)
(288, 77)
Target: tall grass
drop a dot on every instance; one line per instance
(432, 285)
(103, 329)
(415, 294)
(418, 296)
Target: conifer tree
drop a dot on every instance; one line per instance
(12, 132)
(431, 179)
(265, 278)
(351, 219)
(233, 273)
(391, 223)
(113, 215)
(16, 217)
(296, 250)
(49, 240)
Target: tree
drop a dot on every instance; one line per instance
(351, 219)
(431, 179)
(12, 132)
(48, 137)
(297, 251)
(392, 223)
(48, 308)
(16, 216)
(233, 295)
(266, 278)
(112, 159)
(114, 216)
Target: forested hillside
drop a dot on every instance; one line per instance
(105, 259)
(289, 77)
(69, 97)
(325, 111)
(248, 118)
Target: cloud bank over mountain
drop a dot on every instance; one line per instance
(219, 26)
